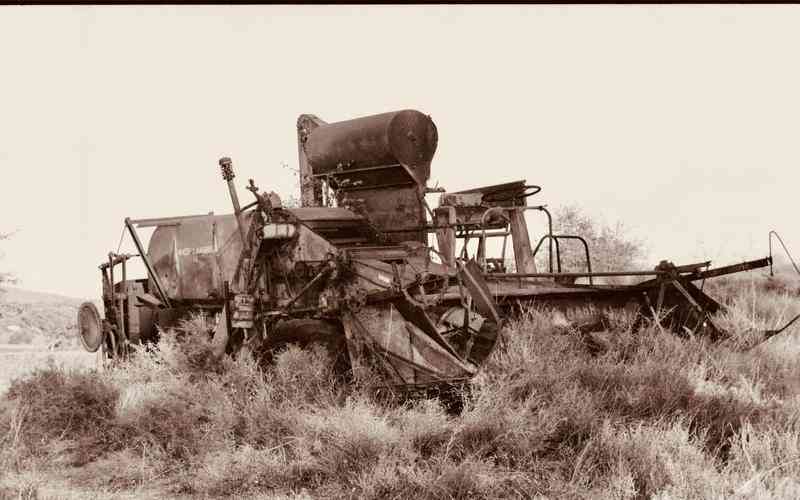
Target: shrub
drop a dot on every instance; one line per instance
(55, 404)
(611, 248)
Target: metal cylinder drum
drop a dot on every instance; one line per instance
(405, 137)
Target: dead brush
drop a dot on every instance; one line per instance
(346, 440)
(62, 405)
(12, 421)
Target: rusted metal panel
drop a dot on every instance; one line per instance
(194, 258)
(400, 210)
(410, 355)
(316, 214)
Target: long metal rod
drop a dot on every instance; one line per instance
(150, 269)
(121, 310)
(735, 268)
(307, 287)
(711, 273)
(574, 275)
(168, 221)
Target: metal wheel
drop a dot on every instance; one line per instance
(90, 327)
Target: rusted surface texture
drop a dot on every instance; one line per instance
(310, 186)
(398, 210)
(509, 194)
(195, 256)
(407, 138)
(406, 352)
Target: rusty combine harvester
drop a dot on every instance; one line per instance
(353, 269)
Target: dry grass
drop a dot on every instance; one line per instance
(18, 360)
(651, 416)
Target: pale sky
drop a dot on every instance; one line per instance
(679, 121)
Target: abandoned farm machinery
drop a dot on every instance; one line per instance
(366, 267)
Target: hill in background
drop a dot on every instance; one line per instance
(37, 318)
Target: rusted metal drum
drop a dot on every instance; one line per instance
(405, 137)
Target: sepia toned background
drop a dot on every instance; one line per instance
(680, 122)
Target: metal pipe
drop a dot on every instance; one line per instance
(558, 252)
(111, 268)
(771, 233)
(147, 264)
(121, 308)
(585, 248)
(118, 258)
(542, 208)
(711, 273)
(575, 275)
(735, 268)
(249, 206)
(104, 277)
(168, 221)
(226, 165)
(308, 286)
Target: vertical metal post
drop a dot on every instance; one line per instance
(311, 189)
(227, 173)
(121, 306)
(550, 233)
(523, 255)
(445, 218)
(106, 288)
(481, 254)
(111, 271)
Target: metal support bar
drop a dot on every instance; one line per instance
(115, 259)
(711, 273)
(121, 308)
(168, 221)
(735, 268)
(150, 269)
(555, 238)
(575, 275)
(308, 286)
(521, 241)
(585, 249)
(687, 295)
(227, 173)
